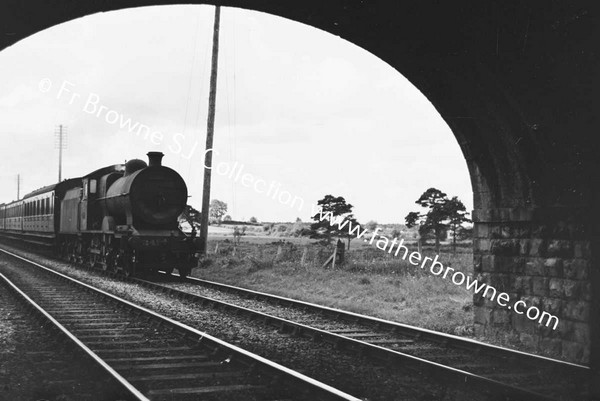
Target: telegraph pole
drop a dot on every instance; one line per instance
(18, 186)
(210, 128)
(61, 143)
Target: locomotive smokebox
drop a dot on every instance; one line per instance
(155, 158)
(147, 197)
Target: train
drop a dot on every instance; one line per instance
(122, 218)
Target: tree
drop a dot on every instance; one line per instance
(190, 215)
(253, 220)
(227, 218)
(371, 225)
(345, 233)
(457, 215)
(338, 210)
(465, 233)
(442, 214)
(238, 233)
(217, 209)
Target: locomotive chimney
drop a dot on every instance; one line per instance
(155, 158)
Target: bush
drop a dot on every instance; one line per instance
(204, 263)
(259, 264)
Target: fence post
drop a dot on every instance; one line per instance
(303, 259)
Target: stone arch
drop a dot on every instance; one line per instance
(513, 81)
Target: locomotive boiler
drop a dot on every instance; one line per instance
(123, 218)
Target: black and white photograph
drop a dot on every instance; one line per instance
(299, 200)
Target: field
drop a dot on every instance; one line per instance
(370, 282)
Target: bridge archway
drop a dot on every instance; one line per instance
(513, 82)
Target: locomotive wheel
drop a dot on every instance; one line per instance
(92, 260)
(111, 263)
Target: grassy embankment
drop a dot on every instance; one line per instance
(370, 282)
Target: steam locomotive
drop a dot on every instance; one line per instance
(122, 218)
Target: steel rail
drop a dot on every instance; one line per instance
(66, 333)
(323, 389)
(400, 328)
(382, 353)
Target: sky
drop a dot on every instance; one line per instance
(300, 113)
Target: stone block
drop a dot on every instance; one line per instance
(524, 246)
(501, 282)
(572, 351)
(521, 324)
(494, 231)
(509, 247)
(560, 248)
(506, 232)
(565, 329)
(579, 311)
(553, 267)
(541, 286)
(553, 306)
(487, 263)
(536, 247)
(505, 264)
(481, 230)
(573, 289)
(551, 346)
(530, 300)
(556, 288)
(481, 245)
(525, 232)
(586, 291)
(581, 333)
(528, 340)
(477, 261)
(523, 284)
(541, 231)
(576, 269)
(582, 249)
(535, 267)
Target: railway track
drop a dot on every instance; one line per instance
(151, 356)
(500, 372)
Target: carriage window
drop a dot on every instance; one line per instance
(93, 186)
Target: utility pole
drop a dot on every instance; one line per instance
(18, 186)
(61, 143)
(210, 128)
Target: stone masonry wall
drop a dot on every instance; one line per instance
(540, 257)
